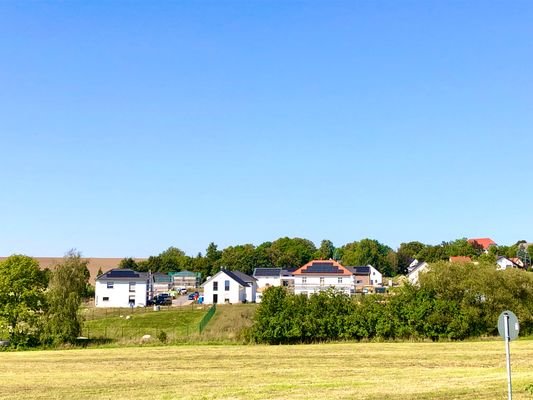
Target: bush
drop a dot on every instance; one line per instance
(162, 336)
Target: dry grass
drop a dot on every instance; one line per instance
(468, 370)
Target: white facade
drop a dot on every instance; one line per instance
(121, 292)
(414, 274)
(504, 263)
(314, 283)
(376, 278)
(225, 287)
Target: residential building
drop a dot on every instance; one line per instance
(186, 279)
(366, 275)
(230, 287)
(162, 283)
(415, 269)
(319, 275)
(506, 263)
(486, 243)
(122, 288)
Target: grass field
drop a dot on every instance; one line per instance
(466, 370)
(179, 323)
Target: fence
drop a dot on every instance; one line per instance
(207, 317)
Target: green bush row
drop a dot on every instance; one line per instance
(452, 302)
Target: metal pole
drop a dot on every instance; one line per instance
(508, 354)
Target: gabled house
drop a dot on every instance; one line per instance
(230, 287)
(506, 263)
(486, 243)
(366, 275)
(415, 269)
(318, 275)
(122, 288)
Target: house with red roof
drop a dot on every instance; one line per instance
(486, 243)
(318, 275)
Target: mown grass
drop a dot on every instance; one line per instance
(179, 323)
(369, 371)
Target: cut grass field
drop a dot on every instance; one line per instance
(179, 323)
(465, 370)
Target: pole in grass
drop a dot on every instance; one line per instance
(508, 328)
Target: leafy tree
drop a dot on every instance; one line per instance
(212, 256)
(291, 252)
(369, 251)
(325, 251)
(22, 299)
(127, 263)
(240, 258)
(262, 255)
(66, 289)
(406, 253)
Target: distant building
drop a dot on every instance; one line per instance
(506, 263)
(319, 275)
(122, 288)
(186, 279)
(415, 269)
(485, 243)
(162, 283)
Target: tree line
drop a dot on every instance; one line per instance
(452, 302)
(291, 253)
(42, 307)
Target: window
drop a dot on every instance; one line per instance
(226, 285)
(132, 287)
(321, 281)
(110, 285)
(215, 287)
(304, 279)
(105, 298)
(339, 279)
(132, 300)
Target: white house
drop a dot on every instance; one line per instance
(318, 275)
(268, 277)
(415, 269)
(505, 263)
(122, 288)
(366, 275)
(229, 287)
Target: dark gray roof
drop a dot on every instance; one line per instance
(240, 277)
(268, 272)
(415, 267)
(119, 273)
(360, 270)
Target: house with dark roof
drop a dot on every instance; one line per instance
(230, 287)
(506, 263)
(415, 269)
(162, 282)
(122, 288)
(319, 275)
(186, 279)
(366, 275)
(269, 277)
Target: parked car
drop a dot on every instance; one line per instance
(163, 299)
(183, 291)
(191, 296)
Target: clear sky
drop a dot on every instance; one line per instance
(127, 127)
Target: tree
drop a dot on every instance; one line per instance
(406, 253)
(240, 258)
(66, 289)
(127, 263)
(325, 251)
(291, 252)
(22, 300)
(212, 256)
(369, 251)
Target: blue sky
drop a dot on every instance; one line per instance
(128, 127)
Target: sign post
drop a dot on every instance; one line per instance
(508, 328)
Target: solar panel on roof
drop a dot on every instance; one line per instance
(122, 274)
(323, 268)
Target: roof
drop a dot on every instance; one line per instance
(416, 266)
(126, 274)
(161, 277)
(322, 267)
(240, 277)
(460, 259)
(267, 272)
(484, 242)
(185, 274)
(360, 270)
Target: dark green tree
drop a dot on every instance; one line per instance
(291, 252)
(325, 251)
(128, 263)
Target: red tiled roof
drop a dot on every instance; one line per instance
(484, 242)
(460, 259)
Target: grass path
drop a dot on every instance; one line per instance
(468, 370)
